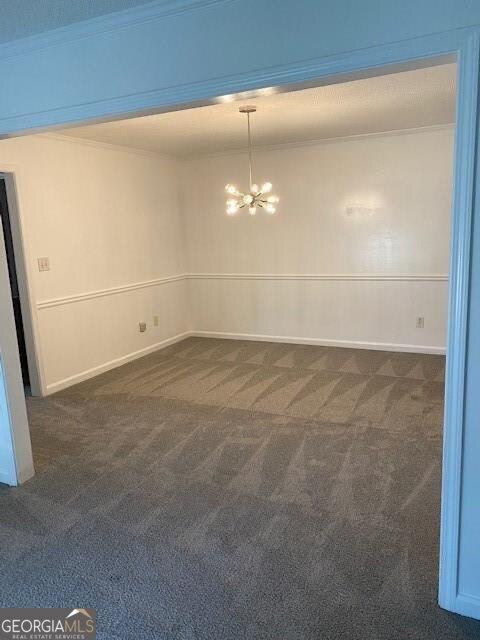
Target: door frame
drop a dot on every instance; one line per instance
(461, 45)
(12, 175)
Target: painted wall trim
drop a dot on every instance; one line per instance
(347, 277)
(324, 342)
(8, 469)
(467, 605)
(134, 355)
(468, 68)
(98, 144)
(313, 142)
(101, 293)
(14, 180)
(112, 364)
(340, 67)
(71, 138)
(153, 10)
(6, 478)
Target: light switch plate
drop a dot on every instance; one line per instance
(43, 264)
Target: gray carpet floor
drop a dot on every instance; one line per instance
(227, 490)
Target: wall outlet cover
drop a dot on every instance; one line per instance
(155, 321)
(142, 326)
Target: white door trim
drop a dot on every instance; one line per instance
(13, 180)
(16, 462)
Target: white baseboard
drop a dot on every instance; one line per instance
(324, 342)
(112, 364)
(25, 473)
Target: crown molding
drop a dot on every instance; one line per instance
(154, 10)
(98, 144)
(258, 148)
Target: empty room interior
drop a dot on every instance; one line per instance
(232, 326)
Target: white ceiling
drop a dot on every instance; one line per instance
(403, 100)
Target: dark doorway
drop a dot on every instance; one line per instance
(12, 272)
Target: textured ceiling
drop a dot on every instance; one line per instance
(403, 100)
(21, 18)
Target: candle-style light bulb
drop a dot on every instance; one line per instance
(266, 187)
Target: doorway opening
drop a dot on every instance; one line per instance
(360, 245)
(14, 287)
(457, 275)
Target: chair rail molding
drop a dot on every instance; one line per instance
(347, 277)
(111, 291)
(320, 277)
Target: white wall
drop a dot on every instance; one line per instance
(107, 218)
(401, 244)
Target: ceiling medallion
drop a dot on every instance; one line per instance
(256, 197)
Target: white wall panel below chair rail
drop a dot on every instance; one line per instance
(369, 313)
(88, 333)
(91, 335)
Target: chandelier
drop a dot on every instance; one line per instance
(256, 197)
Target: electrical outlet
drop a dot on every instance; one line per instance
(420, 322)
(155, 321)
(142, 326)
(43, 264)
